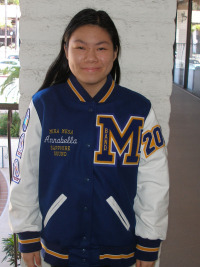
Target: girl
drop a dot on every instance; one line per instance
(90, 180)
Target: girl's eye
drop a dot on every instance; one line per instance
(80, 47)
(101, 48)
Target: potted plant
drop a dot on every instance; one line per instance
(8, 248)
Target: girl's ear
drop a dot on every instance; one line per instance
(115, 54)
(66, 51)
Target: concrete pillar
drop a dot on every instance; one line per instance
(146, 30)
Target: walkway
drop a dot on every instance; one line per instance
(3, 192)
(4, 227)
(181, 249)
(4, 178)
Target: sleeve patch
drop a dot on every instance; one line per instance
(20, 146)
(16, 173)
(26, 120)
(152, 140)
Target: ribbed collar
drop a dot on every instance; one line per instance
(83, 95)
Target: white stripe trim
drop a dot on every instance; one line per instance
(116, 208)
(54, 207)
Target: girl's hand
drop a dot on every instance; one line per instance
(145, 263)
(32, 259)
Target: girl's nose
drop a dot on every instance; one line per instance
(91, 55)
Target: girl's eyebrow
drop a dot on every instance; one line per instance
(103, 42)
(79, 41)
(83, 42)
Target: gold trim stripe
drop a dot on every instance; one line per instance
(108, 93)
(116, 257)
(75, 91)
(147, 249)
(29, 241)
(55, 254)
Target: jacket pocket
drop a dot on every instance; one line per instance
(116, 208)
(54, 207)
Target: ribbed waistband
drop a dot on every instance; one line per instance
(95, 256)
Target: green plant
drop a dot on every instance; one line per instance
(10, 81)
(3, 124)
(195, 27)
(15, 126)
(10, 2)
(8, 248)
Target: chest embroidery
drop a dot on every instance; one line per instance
(60, 141)
(114, 140)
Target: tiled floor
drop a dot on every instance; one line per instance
(3, 192)
(181, 249)
(4, 227)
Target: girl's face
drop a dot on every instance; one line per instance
(90, 55)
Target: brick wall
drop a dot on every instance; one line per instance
(146, 29)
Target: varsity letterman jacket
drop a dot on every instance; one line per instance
(90, 177)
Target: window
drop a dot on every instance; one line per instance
(181, 38)
(187, 49)
(194, 55)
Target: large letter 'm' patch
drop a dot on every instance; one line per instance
(111, 136)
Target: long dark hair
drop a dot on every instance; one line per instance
(59, 70)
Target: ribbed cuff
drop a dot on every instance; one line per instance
(146, 249)
(29, 242)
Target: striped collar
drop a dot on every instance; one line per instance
(82, 94)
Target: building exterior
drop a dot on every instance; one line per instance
(147, 32)
(187, 46)
(9, 32)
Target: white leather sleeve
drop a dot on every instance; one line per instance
(151, 201)
(24, 213)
